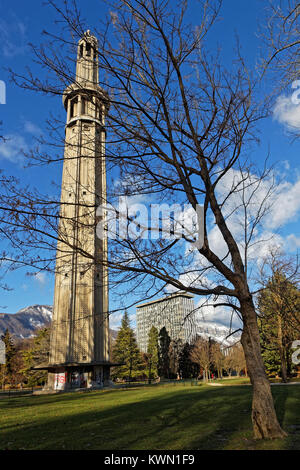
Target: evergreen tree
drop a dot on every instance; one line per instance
(152, 353)
(163, 353)
(36, 353)
(174, 354)
(187, 367)
(17, 377)
(279, 323)
(10, 351)
(126, 352)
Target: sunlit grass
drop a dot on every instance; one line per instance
(155, 417)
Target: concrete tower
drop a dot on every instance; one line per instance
(79, 347)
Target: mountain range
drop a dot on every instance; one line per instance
(217, 332)
(23, 324)
(26, 321)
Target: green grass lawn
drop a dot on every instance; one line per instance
(234, 381)
(169, 417)
(246, 380)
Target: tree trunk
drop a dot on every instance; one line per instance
(264, 419)
(288, 361)
(282, 352)
(149, 377)
(284, 375)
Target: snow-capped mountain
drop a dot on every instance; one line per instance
(217, 332)
(24, 323)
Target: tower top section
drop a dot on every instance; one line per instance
(87, 73)
(87, 66)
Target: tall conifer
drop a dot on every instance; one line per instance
(126, 352)
(152, 352)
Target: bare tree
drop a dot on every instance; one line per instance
(281, 32)
(180, 127)
(239, 361)
(218, 358)
(229, 362)
(201, 355)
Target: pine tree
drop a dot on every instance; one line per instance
(279, 323)
(174, 354)
(163, 353)
(125, 351)
(10, 352)
(187, 367)
(152, 353)
(37, 353)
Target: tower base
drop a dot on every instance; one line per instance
(64, 377)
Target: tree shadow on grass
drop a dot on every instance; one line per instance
(287, 404)
(38, 400)
(280, 397)
(174, 419)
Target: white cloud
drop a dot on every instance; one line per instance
(32, 128)
(286, 164)
(115, 320)
(194, 279)
(132, 187)
(220, 315)
(283, 206)
(41, 278)
(13, 37)
(287, 112)
(282, 203)
(286, 205)
(292, 242)
(263, 244)
(216, 242)
(12, 148)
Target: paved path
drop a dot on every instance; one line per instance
(236, 385)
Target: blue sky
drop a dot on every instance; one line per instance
(24, 113)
